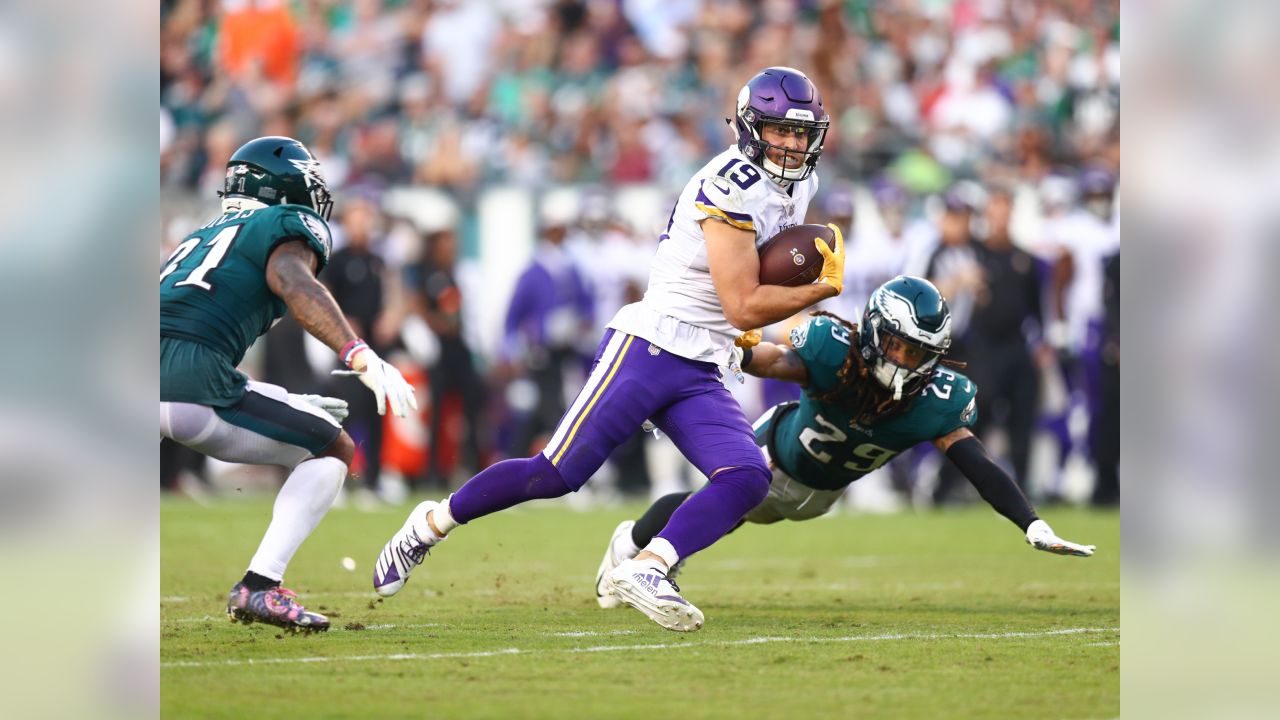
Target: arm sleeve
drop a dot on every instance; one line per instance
(719, 199)
(992, 482)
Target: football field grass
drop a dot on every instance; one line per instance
(934, 615)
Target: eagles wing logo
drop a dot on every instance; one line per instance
(310, 169)
(319, 230)
(799, 335)
(966, 415)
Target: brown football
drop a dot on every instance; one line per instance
(790, 258)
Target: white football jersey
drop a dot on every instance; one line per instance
(681, 312)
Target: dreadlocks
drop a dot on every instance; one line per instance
(856, 390)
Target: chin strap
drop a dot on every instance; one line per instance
(897, 386)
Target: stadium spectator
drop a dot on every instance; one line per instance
(1106, 440)
(550, 312)
(437, 298)
(1005, 329)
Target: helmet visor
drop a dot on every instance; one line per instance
(906, 354)
(792, 144)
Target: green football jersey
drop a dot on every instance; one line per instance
(214, 294)
(821, 446)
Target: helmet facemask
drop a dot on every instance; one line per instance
(898, 363)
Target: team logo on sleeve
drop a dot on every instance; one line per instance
(799, 335)
(966, 415)
(319, 230)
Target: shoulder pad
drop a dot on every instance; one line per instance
(303, 222)
(822, 345)
(719, 198)
(951, 397)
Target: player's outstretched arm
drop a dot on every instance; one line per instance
(997, 488)
(770, 360)
(291, 275)
(735, 272)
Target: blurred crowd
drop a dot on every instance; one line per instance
(975, 142)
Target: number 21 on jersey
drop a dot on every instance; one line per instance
(218, 247)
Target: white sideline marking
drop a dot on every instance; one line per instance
(590, 633)
(174, 598)
(653, 646)
(392, 626)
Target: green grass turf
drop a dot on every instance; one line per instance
(844, 616)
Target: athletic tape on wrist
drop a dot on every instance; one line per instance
(350, 349)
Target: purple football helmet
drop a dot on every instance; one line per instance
(781, 96)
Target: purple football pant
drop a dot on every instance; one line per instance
(631, 381)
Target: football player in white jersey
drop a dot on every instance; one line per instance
(659, 359)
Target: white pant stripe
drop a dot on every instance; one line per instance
(597, 376)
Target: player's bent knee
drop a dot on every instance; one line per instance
(548, 481)
(342, 448)
(759, 479)
(752, 479)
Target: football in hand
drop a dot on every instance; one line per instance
(790, 257)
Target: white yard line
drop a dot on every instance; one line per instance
(653, 646)
(590, 633)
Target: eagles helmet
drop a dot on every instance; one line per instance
(780, 96)
(277, 170)
(911, 310)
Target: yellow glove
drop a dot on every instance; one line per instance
(750, 338)
(832, 260)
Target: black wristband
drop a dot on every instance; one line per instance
(746, 358)
(992, 482)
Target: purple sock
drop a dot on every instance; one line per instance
(713, 511)
(505, 484)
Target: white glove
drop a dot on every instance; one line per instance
(1041, 537)
(735, 364)
(748, 339)
(337, 409)
(386, 382)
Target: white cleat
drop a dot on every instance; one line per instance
(643, 584)
(404, 551)
(613, 556)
